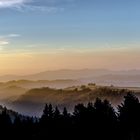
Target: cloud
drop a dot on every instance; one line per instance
(35, 5)
(26, 8)
(9, 36)
(13, 35)
(11, 3)
(3, 44)
(5, 40)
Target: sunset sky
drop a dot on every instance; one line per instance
(40, 35)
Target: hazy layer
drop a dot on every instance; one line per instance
(119, 58)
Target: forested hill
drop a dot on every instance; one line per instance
(32, 102)
(97, 120)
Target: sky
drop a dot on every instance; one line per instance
(40, 35)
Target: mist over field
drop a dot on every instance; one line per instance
(65, 88)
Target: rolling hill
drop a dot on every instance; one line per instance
(33, 101)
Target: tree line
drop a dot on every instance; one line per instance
(95, 121)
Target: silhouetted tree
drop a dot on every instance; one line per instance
(105, 120)
(5, 118)
(129, 117)
(5, 124)
(96, 121)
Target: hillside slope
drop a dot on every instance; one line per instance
(35, 99)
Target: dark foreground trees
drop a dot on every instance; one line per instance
(98, 121)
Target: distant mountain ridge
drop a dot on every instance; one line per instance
(58, 74)
(68, 74)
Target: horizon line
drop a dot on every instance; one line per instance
(67, 69)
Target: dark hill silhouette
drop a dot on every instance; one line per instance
(96, 120)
